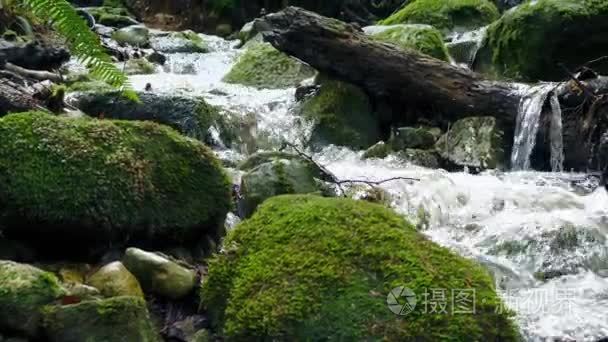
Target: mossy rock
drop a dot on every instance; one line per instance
(98, 12)
(419, 37)
(277, 176)
(342, 114)
(115, 280)
(529, 42)
(106, 181)
(139, 66)
(118, 21)
(473, 142)
(263, 66)
(191, 116)
(380, 150)
(424, 158)
(446, 15)
(114, 319)
(415, 137)
(137, 36)
(260, 158)
(312, 268)
(175, 42)
(24, 290)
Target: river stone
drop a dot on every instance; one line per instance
(263, 66)
(380, 150)
(159, 275)
(473, 142)
(139, 66)
(414, 137)
(419, 37)
(176, 42)
(24, 290)
(446, 15)
(342, 114)
(114, 319)
(276, 177)
(117, 21)
(137, 36)
(424, 158)
(536, 40)
(115, 280)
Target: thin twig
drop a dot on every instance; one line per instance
(374, 183)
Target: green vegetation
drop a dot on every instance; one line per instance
(107, 180)
(446, 15)
(313, 268)
(423, 38)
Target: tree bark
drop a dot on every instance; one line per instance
(15, 97)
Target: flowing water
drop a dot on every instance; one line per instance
(543, 235)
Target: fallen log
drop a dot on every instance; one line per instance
(39, 75)
(409, 81)
(16, 97)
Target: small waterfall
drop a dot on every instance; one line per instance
(557, 140)
(463, 47)
(528, 120)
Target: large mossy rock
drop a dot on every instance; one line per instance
(278, 175)
(263, 66)
(342, 114)
(115, 319)
(312, 268)
(69, 184)
(24, 290)
(530, 41)
(419, 37)
(446, 15)
(473, 142)
(137, 36)
(191, 116)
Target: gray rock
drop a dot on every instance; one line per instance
(138, 36)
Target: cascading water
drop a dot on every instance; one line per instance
(557, 140)
(543, 236)
(463, 47)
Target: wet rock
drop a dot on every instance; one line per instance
(380, 150)
(263, 66)
(247, 32)
(159, 275)
(157, 58)
(185, 41)
(111, 181)
(115, 280)
(530, 42)
(414, 137)
(117, 21)
(342, 114)
(419, 37)
(114, 319)
(190, 329)
(32, 55)
(322, 254)
(424, 158)
(24, 290)
(446, 15)
(137, 36)
(139, 66)
(473, 142)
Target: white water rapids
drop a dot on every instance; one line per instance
(543, 236)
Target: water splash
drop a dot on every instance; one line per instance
(528, 121)
(557, 139)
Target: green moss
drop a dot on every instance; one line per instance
(263, 66)
(114, 319)
(194, 38)
(381, 150)
(106, 180)
(139, 66)
(98, 12)
(530, 42)
(446, 15)
(10, 35)
(114, 3)
(88, 85)
(24, 290)
(312, 268)
(343, 115)
(423, 38)
(260, 158)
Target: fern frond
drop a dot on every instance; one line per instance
(83, 43)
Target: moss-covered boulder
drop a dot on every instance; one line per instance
(530, 41)
(114, 20)
(473, 142)
(277, 176)
(342, 114)
(115, 280)
(424, 158)
(139, 66)
(446, 15)
(175, 42)
(419, 37)
(114, 319)
(160, 275)
(311, 268)
(137, 36)
(24, 290)
(263, 66)
(414, 137)
(191, 116)
(106, 181)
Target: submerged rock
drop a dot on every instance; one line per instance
(106, 182)
(342, 114)
(114, 319)
(139, 66)
(446, 15)
(422, 38)
(24, 290)
(115, 280)
(307, 268)
(159, 275)
(473, 142)
(529, 42)
(263, 66)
